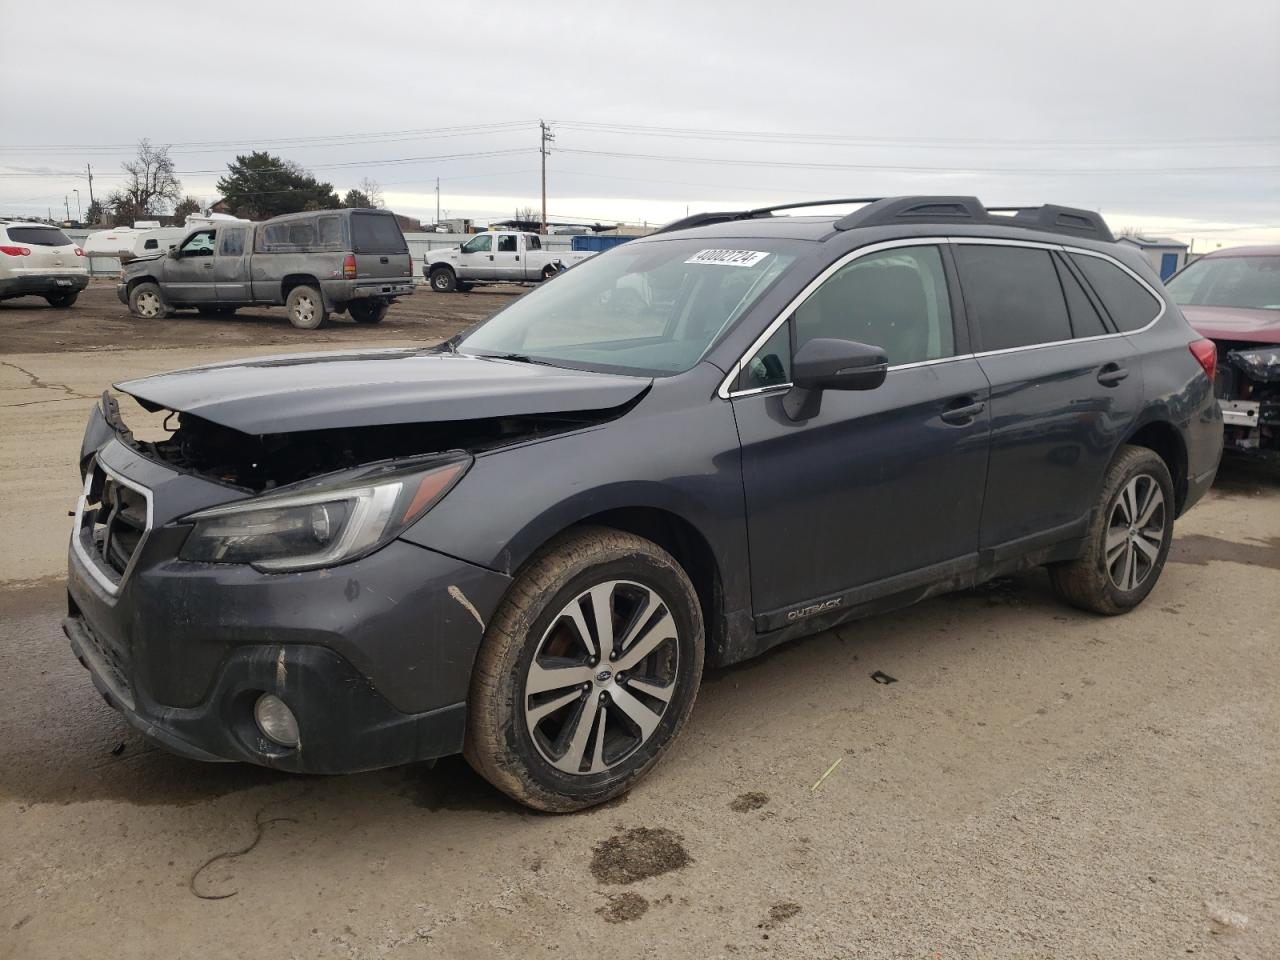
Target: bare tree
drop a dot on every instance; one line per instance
(151, 185)
(373, 190)
(527, 215)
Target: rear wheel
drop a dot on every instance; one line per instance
(62, 299)
(443, 280)
(306, 308)
(1129, 538)
(368, 312)
(147, 302)
(587, 672)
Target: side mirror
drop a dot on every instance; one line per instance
(173, 252)
(829, 364)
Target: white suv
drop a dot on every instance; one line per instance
(39, 260)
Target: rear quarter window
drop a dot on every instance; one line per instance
(1130, 304)
(39, 236)
(376, 233)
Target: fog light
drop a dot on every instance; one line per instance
(276, 720)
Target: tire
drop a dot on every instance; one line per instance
(443, 280)
(146, 302)
(533, 758)
(1122, 560)
(63, 299)
(368, 312)
(548, 272)
(306, 308)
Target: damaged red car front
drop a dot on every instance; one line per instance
(1233, 298)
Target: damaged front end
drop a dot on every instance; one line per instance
(1248, 391)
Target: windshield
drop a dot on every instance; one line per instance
(1229, 282)
(652, 308)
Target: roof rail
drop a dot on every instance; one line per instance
(726, 216)
(1048, 218)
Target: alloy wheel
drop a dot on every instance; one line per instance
(601, 677)
(304, 309)
(147, 305)
(1135, 532)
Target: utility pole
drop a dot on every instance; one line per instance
(79, 210)
(66, 202)
(437, 201)
(89, 168)
(546, 137)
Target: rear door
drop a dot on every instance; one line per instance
(188, 277)
(379, 247)
(231, 266)
(882, 490)
(1065, 390)
(507, 262)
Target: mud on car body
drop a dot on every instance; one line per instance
(525, 543)
(1232, 297)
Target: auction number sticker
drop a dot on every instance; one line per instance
(728, 258)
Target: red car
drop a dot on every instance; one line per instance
(1233, 298)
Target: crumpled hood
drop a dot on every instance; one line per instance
(1235, 323)
(317, 391)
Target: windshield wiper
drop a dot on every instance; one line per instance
(516, 357)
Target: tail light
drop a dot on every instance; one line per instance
(79, 252)
(1206, 354)
(16, 251)
(349, 267)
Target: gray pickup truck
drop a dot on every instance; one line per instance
(316, 264)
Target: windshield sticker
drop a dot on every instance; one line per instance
(728, 258)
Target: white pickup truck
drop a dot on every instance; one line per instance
(496, 257)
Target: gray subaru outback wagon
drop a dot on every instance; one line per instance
(525, 544)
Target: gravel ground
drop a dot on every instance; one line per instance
(1037, 783)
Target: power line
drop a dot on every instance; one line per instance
(896, 168)
(939, 142)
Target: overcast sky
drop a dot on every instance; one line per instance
(1164, 116)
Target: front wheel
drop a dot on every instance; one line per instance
(368, 312)
(147, 302)
(586, 673)
(443, 280)
(306, 308)
(1128, 540)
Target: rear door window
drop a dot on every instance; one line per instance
(232, 244)
(376, 233)
(507, 243)
(39, 236)
(1085, 319)
(1013, 295)
(1130, 304)
(532, 241)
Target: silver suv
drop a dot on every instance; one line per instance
(39, 260)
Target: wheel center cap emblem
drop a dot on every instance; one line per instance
(604, 676)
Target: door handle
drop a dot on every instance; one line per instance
(1111, 374)
(491, 256)
(382, 259)
(207, 266)
(963, 411)
(517, 258)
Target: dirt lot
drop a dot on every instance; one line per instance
(99, 321)
(1037, 783)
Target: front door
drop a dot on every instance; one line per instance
(882, 490)
(1065, 389)
(476, 258)
(188, 276)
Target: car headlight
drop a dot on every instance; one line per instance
(321, 523)
(1260, 364)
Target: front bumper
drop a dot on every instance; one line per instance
(374, 657)
(42, 284)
